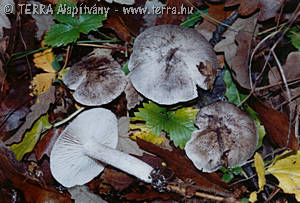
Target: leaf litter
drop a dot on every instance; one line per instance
(153, 122)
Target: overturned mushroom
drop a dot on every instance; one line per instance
(227, 136)
(169, 62)
(90, 138)
(97, 79)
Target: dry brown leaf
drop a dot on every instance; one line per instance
(184, 168)
(276, 124)
(169, 18)
(116, 23)
(15, 175)
(132, 96)
(37, 110)
(268, 8)
(119, 180)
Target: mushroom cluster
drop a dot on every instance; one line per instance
(169, 62)
(87, 143)
(227, 136)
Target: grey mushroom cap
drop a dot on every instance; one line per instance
(169, 62)
(96, 80)
(227, 136)
(69, 163)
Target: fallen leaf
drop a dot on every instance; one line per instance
(177, 5)
(228, 45)
(33, 190)
(14, 107)
(117, 179)
(276, 124)
(44, 146)
(116, 23)
(82, 194)
(286, 168)
(145, 133)
(31, 137)
(43, 22)
(151, 195)
(37, 110)
(125, 144)
(132, 96)
(260, 170)
(267, 8)
(184, 169)
(253, 196)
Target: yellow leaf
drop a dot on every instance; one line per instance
(260, 170)
(253, 197)
(286, 168)
(43, 60)
(145, 133)
(41, 83)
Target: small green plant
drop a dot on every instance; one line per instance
(229, 173)
(294, 35)
(70, 26)
(179, 124)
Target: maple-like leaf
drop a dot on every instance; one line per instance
(71, 26)
(179, 124)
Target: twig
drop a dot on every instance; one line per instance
(293, 81)
(288, 92)
(67, 57)
(272, 195)
(183, 191)
(102, 46)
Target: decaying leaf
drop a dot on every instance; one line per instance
(276, 124)
(286, 168)
(119, 180)
(184, 169)
(116, 23)
(236, 55)
(125, 144)
(268, 8)
(175, 5)
(178, 124)
(259, 167)
(37, 110)
(82, 194)
(15, 176)
(132, 96)
(144, 133)
(31, 137)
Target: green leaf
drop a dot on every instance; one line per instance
(61, 34)
(125, 68)
(227, 177)
(70, 25)
(233, 96)
(294, 35)
(63, 12)
(31, 137)
(192, 19)
(178, 124)
(244, 200)
(237, 170)
(232, 92)
(89, 22)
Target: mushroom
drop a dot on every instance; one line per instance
(169, 62)
(227, 136)
(92, 137)
(97, 79)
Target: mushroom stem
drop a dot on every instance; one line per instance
(120, 160)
